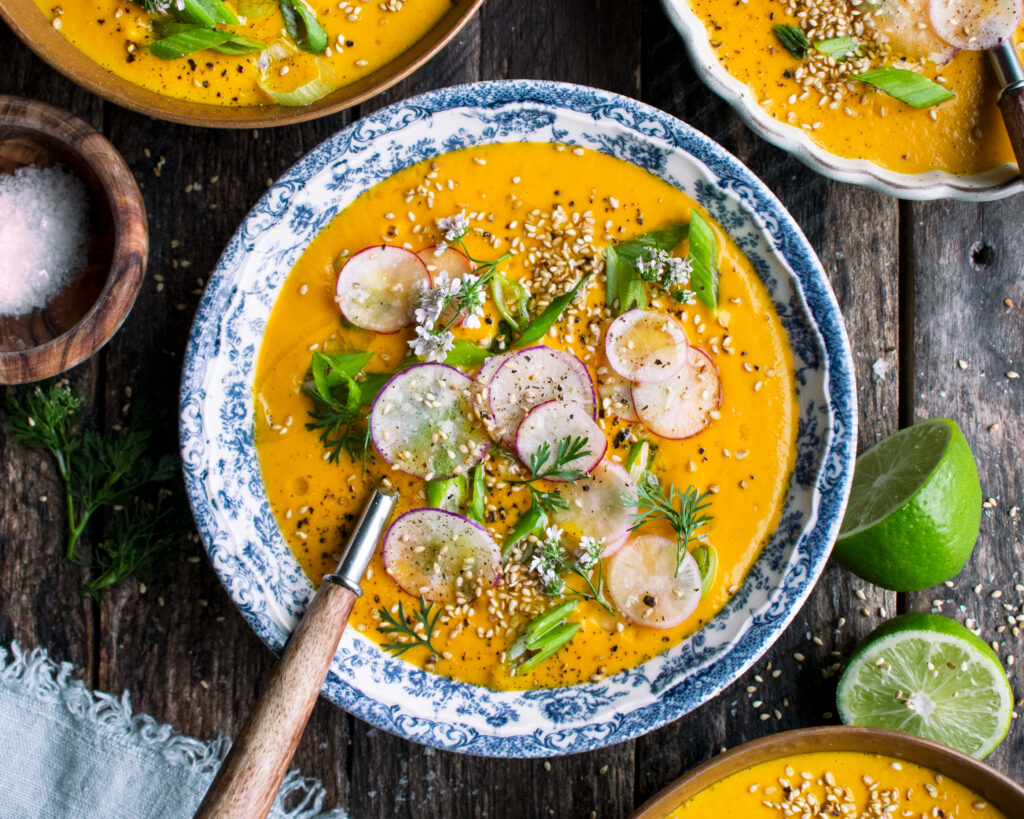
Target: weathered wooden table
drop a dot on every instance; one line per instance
(933, 290)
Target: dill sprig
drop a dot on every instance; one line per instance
(399, 626)
(338, 401)
(568, 450)
(654, 503)
(99, 471)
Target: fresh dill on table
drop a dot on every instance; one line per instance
(398, 625)
(101, 472)
(654, 503)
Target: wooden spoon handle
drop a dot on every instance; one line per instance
(248, 781)
(1012, 106)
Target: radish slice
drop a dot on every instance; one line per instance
(906, 24)
(427, 551)
(975, 25)
(596, 507)
(378, 287)
(682, 406)
(616, 395)
(531, 377)
(451, 261)
(551, 422)
(645, 587)
(422, 422)
(642, 345)
(490, 367)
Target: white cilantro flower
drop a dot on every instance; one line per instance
(553, 534)
(433, 346)
(545, 564)
(589, 553)
(453, 227)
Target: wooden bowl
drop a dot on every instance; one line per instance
(29, 23)
(989, 784)
(88, 311)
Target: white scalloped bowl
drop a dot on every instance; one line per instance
(997, 183)
(226, 489)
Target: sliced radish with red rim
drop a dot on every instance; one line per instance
(616, 395)
(682, 406)
(552, 422)
(596, 506)
(643, 345)
(530, 377)
(908, 28)
(489, 368)
(645, 586)
(422, 421)
(378, 288)
(454, 263)
(975, 25)
(441, 556)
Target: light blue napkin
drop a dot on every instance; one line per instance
(66, 752)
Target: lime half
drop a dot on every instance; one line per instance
(914, 510)
(927, 675)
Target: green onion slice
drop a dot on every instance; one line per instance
(793, 40)
(477, 494)
(302, 26)
(707, 564)
(186, 39)
(518, 295)
(538, 328)
(251, 9)
(317, 88)
(206, 13)
(704, 256)
(839, 48)
(906, 86)
(448, 494)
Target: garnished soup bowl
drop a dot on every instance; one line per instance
(227, 492)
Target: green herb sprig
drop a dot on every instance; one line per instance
(426, 616)
(338, 400)
(553, 566)
(654, 503)
(99, 472)
(793, 40)
(624, 283)
(546, 464)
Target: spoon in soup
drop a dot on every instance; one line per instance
(989, 25)
(252, 772)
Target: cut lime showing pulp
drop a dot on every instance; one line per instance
(914, 510)
(927, 675)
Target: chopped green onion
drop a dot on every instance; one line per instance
(545, 635)
(302, 26)
(188, 39)
(448, 494)
(532, 521)
(793, 40)
(839, 48)
(623, 288)
(707, 562)
(704, 256)
(477, 494)
(906, 86)
(251, 9)
(206, 13)
(538, 328)
(554, 640)
(520, 296)
(638, 461)
(317, 88)
(467, 354)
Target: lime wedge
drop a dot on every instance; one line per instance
(914, 510)
(927, 675)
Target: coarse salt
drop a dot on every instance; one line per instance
(42, 236)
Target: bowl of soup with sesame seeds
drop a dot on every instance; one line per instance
(597, 381)
(237, 63)
(863, 92)
(839, 771)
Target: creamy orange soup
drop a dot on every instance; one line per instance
(857, 784)
(554, 209)
(964, 135)
(362, 37)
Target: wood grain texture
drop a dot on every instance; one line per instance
(967, 262)
(252, 773)
(187, 657)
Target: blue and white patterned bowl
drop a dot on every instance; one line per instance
(226, 489)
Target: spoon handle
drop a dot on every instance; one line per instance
(1010, 74)
(247, 782)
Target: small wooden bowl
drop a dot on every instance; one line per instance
(35, 30)
(88, 311)
(989, 784)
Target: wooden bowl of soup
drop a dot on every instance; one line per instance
(73, 193)
(104, 45)
(814, 105)
(306, 383)
(850, 767)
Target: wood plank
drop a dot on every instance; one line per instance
(965, 261)
(855, 234)
(41, 604)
